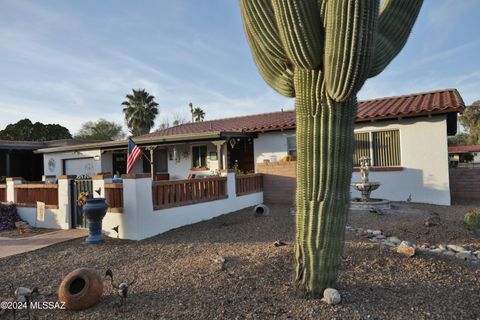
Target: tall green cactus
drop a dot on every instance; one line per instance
(321, 52)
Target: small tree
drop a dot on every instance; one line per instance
(100, 130)
(470, 119)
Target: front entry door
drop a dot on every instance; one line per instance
(82, 183)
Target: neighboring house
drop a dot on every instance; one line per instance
(17, 158)
(457, 154)
(406, 137)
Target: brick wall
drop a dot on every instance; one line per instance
(278, 181)
(465, 183)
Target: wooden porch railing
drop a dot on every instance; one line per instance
(3, 193)
(28, 194)
(248, 183)
(114, 196)
(175, 193)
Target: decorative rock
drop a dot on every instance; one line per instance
(219, 261)
(442, 247)
(436, 250)
(376, 232)
(431, 221)
(448, 253)
(394, 240)
(465, 255)
(389, 244)
(331, 296)
(455, 248)
(406, 248)
(380, 237)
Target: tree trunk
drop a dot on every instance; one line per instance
(324, 168)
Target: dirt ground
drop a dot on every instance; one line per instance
(177, 278)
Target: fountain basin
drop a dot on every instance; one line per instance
(359, 204)
(365, 186)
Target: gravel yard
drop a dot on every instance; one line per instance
(177, 278)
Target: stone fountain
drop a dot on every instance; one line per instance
(366, 187)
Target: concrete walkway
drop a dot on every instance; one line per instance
(13, 246)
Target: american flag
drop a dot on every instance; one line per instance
(133, 154)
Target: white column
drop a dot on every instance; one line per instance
(231, 187)
(64, 205)
(11, 194)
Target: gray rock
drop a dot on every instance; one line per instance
(455, 248)
(465, 255)
(394, 240)
(381, 237)
(437, 250)
(389, 244)
(442, 247)
(376, 232)
(331, 296)
(449, 253)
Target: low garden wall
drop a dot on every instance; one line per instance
(465, 183)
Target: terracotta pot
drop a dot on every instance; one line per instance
(81, 289)
(94, 210)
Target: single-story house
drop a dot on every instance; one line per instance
(406, 137)
(17, 158)
(457, 154)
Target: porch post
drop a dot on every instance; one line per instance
(7, 163)
(220, 159)
(152, 173)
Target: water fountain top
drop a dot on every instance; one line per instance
(366, 187)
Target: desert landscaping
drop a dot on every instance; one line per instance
(179, 275)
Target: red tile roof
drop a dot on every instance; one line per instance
(461, 149)
(412, 105)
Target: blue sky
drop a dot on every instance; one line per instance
(68, 62)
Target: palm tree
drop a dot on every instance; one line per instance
(198, 114)
(140, 111)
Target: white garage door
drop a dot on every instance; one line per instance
(80, 166)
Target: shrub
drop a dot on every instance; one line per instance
(472, 219)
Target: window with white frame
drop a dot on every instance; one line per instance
(199, 156)
(383, 148)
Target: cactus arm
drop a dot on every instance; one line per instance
(278, 74)
(349, 39)
(395, 23)
(259, 20)
(301, 31)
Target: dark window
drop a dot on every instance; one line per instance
(292, 146)
(199, 156)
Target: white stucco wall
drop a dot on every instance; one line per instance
(271, 146)
(180, 169)
(139, 220)
(54, 218)
(424, 158)
(59, 157)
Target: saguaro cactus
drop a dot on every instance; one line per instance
(321, 52)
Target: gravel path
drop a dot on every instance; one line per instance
(177, 278)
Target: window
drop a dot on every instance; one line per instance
(199, 156)
(292, 146)
(383, 147)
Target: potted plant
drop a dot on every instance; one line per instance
(94, 210)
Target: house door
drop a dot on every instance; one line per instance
(160, 160)
(82, 183)
(240, 152)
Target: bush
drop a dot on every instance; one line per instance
(8, 216)
(472, 219)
